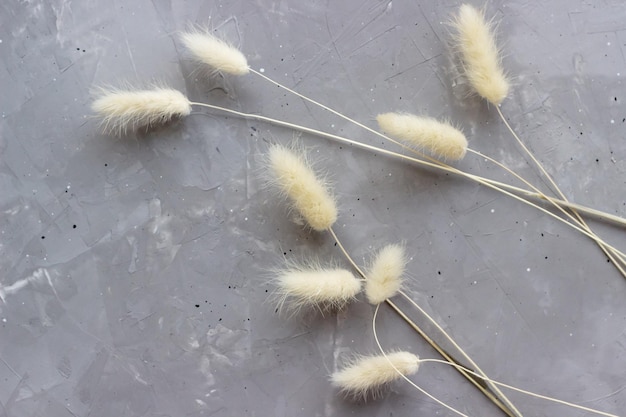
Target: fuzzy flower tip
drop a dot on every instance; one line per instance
(477, 45)
(214, 52)
(437, 137)
(367, 376)
(315, 286)
(121, 110)
(308, 194)
(384, 278)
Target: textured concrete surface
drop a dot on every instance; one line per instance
(134, 271)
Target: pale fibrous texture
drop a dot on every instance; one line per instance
(127, 109)
(384, 277)
(439, 138)
(308, 194)
(209, 50)
(325, 288)
(367, 376)
(481, 60)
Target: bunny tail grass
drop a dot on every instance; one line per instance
(214, 52)
(368, 375)
(325, 288)
(121, 110)
(439, 138)
(384, 278)
(477, 45)
(308, 194)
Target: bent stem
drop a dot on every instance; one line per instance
(476, 382)
(607, 249)
(495, 389)
(523, 391)
(387, 138)
(420, 389)
(335, 112)
(495, 185)
(507, 410)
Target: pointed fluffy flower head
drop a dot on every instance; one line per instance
(208, 49)
(477, 45)
(440, 138)
(308, 194)
(324, 288)
(367, 376)
(384, 278)
(124, 109)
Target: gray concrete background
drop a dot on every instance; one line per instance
(134, 270)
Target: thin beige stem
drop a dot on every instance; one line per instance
(346, 254)
(417, 387)
(530, 154)
(430, 341)
(573, 226)
(607, 249)
(498, 185)
(449, 358)
(523, 391)
(495, 389)
(355, 122)
(335, 112)
(601, 215)
(386, 152)
(598, 214)
(415, 160)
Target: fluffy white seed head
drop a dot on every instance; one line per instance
(209, 50)
(477, 45)
(308, 194)
(324, 288)
(367, 376)
(384, 278)
(439, 138)
(127, 109)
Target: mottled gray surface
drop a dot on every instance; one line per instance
(134, 270)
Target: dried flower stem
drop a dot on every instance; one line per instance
(345, 253)
(496, 185)
(513, 411)
(413, 384)
(465, 370)
(607, 249)
(465, 355)
(478, 47)
(523, 391)
(447, 357)
(432, 160)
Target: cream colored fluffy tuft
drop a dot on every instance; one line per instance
(324, 288)
(384, 278)
(439, 138)
(308, 194)
(367, 376)
(127, 109)
(209, 50)
(477, 45)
